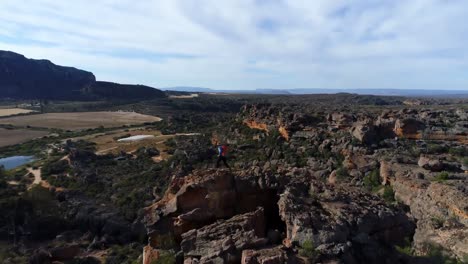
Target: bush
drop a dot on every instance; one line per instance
(308, 250)
(166, 257)
(406, 248)
(388, 194)
(341, 173)
(57, 167)
(436, 254)
(442, 177)
(372, 180)
(465, 161)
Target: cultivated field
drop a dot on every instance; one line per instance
(13, 111)
(16, 136)
(79, 120)
(108, 142)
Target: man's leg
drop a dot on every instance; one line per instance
(225, 162)
(217, 162)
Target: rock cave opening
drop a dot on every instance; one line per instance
(273, 219)
(275, 227)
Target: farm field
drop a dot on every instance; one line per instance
(79, 120)
(107, 143)
(16, 136)
(13, 111)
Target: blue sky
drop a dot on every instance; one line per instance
(241, 44)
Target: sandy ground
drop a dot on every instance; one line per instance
(81, 120)
(38, 180)
(16, 136)
(14, 111)
(37, 175)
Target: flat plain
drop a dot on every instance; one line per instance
(13, 111)
(79, 120)
(10, 137)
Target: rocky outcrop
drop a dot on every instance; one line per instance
(269, 255)
(200, 199)
(364, 132)
(440, 209)
(345, 224)
(409, 128)
(223, 217)
(341, 120)
(224, 240)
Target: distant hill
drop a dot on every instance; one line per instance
(110, 90)
(23, 78)
(386, 92)
(299, 91)
(189, 89)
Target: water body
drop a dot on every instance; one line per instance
(15, 161)
(135, 138)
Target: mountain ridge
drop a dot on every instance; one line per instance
(24, 78)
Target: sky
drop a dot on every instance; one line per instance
(247, 44)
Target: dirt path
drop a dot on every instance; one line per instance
(37, 175)
(38, 180)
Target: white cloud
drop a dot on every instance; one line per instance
(247, 44)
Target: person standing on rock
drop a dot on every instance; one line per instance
(222, 150)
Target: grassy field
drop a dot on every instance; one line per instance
(10, 137)
(79, 120)
(13, 111)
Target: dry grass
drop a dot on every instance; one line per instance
(107, 143)
(14, 111)
(79, 120)
(16, 136)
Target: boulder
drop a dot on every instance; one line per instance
(64, 253)
(365, 132)
(430, 164)
(226, 239)
(270, 255)
(328, 218)
(409, 128)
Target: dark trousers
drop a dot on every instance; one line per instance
(222, 158)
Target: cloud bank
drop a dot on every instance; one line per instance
(243, 44)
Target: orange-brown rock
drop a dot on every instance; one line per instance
(284, 132)
(150, 255)
(409, 128)
(271, 255)
(200, 199)
(255, 125)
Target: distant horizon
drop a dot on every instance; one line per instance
(243, 45)
(376, 88)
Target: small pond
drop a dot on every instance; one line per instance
(15, 161)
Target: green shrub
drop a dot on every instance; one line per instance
(436, 149)
(437, 221)
(442, 177)
(308, 250)
(166, 257)
(372, 180)
(341, 173)
(465, 161)
(388, 194)
(436, 254)
(56, 167)
(406, 248)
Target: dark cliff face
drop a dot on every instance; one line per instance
(27, 78)
(23, 78)
(110, 90)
